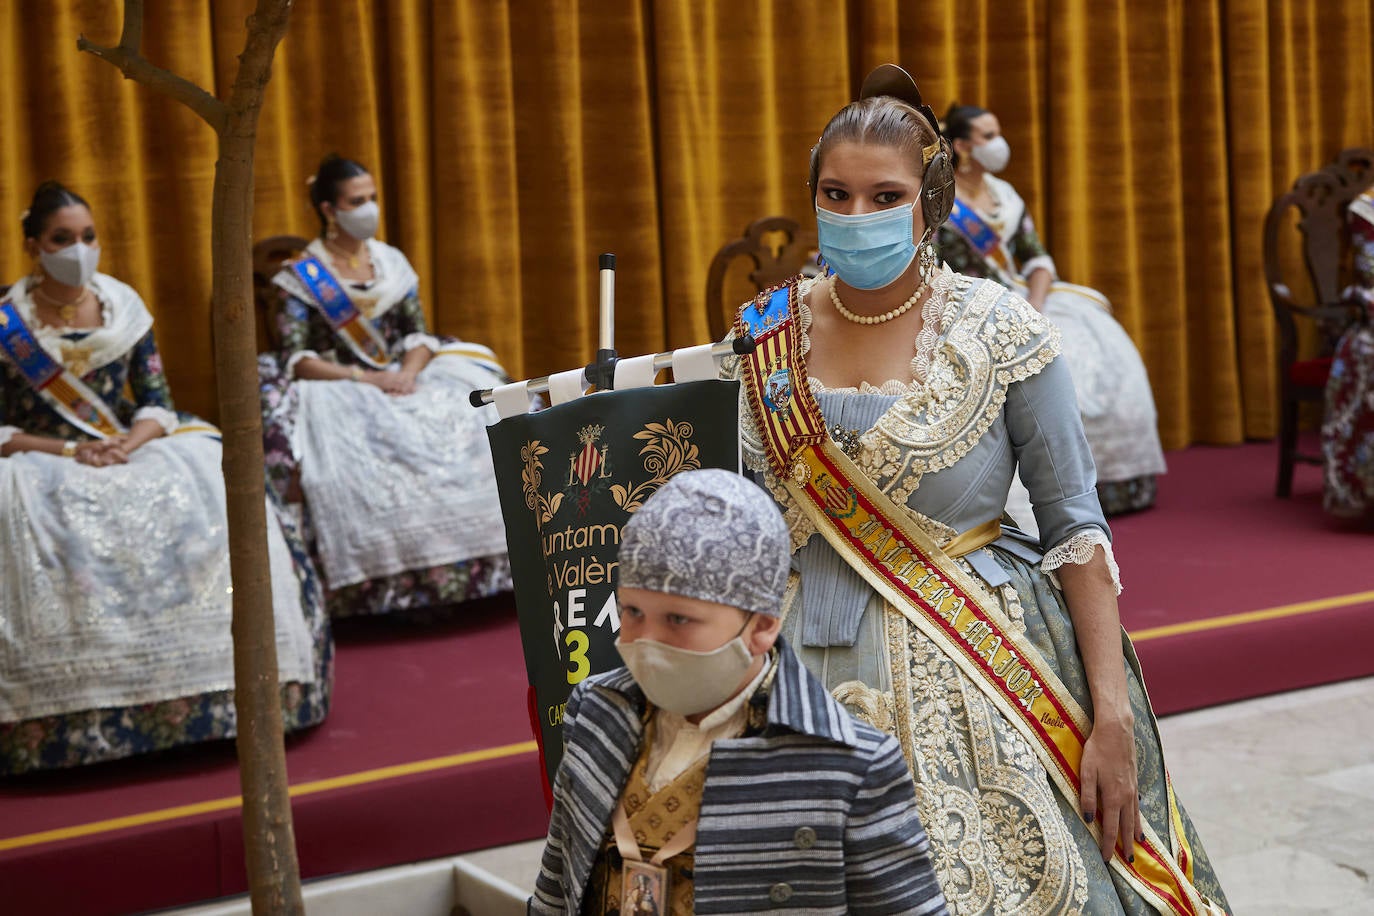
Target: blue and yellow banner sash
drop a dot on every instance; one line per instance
(905, 565)
(59, 388)
(343, 316)
(964, 220)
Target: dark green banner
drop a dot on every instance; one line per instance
(569, 478)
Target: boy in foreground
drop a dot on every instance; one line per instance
(713, 774)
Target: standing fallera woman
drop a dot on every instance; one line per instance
(990, 234)
(372, 412)
(114, 566)
(887, 409)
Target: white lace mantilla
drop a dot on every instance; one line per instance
(393, 278)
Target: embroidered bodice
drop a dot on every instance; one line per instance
(118, 361)
(390, 301)
(988, 396)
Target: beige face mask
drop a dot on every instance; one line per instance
(683, 681)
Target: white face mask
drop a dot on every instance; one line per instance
(360, 222)
(73, 265)
(993, 155)
(683, 681)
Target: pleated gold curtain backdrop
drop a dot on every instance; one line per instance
(514, 141)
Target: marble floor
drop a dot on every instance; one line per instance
(1282, 791)
(1280, 788)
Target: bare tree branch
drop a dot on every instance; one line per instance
(131, 39)
(266, 26)
(127, 57)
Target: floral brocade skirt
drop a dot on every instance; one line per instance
(97, 735)
(1003, 837)
(1348, 427)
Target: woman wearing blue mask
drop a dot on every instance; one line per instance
(990, 234)
(368, 412)
(114, 566)
(888, 406)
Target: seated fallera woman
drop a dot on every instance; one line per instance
(372, 411)
(990, 234)
(1348, 423)
(114, 567)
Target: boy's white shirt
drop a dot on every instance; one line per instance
(678, 743)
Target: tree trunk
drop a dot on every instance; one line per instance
(269, 840)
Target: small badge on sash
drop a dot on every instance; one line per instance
(643, 889)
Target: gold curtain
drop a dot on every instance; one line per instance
(514, 141)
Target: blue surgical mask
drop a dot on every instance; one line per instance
(870, 250)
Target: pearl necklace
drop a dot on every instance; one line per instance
(847, 315)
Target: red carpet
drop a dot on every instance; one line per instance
(446, 707)
(1219, 544)
(402, 695)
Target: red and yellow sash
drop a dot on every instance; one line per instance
(907, 567)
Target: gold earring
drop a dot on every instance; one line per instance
(331, 230)
(927, 261)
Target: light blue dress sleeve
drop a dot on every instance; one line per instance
(1052, 454)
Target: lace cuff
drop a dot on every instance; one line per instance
(7, 433)
(1037, 262)
(165, 418)
(296, 358)
(419, 339)
(1077, 549)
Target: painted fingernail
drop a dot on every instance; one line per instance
(1088, 816)
(1131, 857)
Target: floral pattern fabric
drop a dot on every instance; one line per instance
(432, 592)
(96, 735)
(1348, 423)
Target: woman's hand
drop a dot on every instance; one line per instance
(102, 453)
(1110, 793)
(393, 383)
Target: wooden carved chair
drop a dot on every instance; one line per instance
(268, 257)
(1320, 199)
(779, 250)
